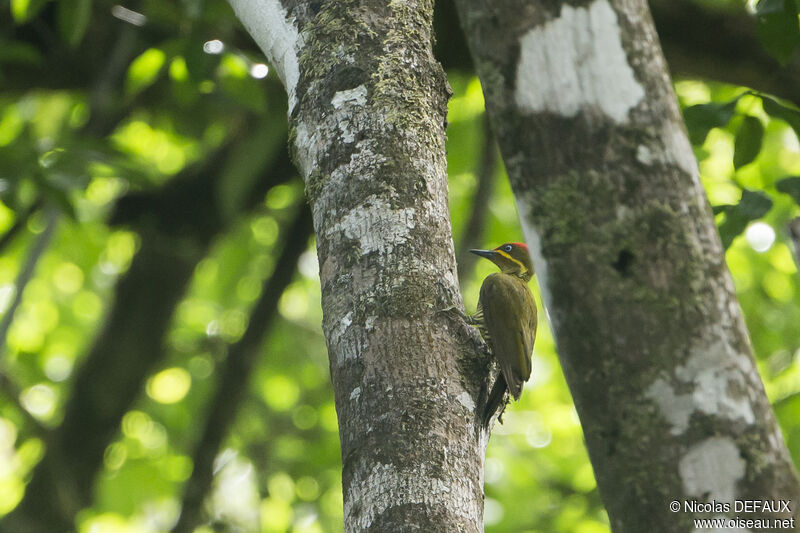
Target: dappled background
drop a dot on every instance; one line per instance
(159, 293)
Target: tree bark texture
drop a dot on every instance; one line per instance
(630, 265)
(367, 115)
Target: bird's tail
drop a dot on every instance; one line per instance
(495, 400)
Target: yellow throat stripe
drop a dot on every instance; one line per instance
(522, 267)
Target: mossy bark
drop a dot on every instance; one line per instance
(633, 275)
(368, 103)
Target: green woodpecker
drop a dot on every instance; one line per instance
(506, 319)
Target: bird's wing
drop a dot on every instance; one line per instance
(507, 305)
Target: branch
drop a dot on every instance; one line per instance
(236, 372)
(722, 45)
(26, 271)
(19, 223)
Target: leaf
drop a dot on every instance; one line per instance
(752, 206)
(790, 186)
(748, 141)
(19, 53)
(778, 28)
(789, 115)
(24, 10)
(144, 70)
(245, 92)
(701, 118)
(73, 19)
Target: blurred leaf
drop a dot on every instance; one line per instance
(200, 65)
(701, 118)
(788, 114)
(24, 10)
(748, 141)
(246, 92)
(778, 28)
(790, 186)
(752, 206)
(58, 197)
(717, 209)
(73, 19)
(144, 70)
(19, 53)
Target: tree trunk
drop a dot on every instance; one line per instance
(367, 115)
(629, 262)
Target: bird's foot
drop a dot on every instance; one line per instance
(467, 325)
(469, 319)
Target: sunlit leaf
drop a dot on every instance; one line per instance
(748, 141)
(24, 10)
(790, 115)
(144, 70)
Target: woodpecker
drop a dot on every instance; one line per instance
(506, 318)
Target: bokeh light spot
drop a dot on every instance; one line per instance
(170, 385)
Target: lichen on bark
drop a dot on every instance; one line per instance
(632, 271)
(368, 135)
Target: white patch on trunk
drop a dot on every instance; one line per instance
(346, 106)
(385, 487)
(276, 34)
(341, 327)
(711, 469)
(309, 145)
(676, 408)
(466, 400)
(356, 96)
(575, 62)
(720, 384)
(644, 155)
(376, 226)
(355, 393)
(717, 379)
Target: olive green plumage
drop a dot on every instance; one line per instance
(507, 320)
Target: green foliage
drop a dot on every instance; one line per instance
(790, 186)
(144, 70)
(73, 20)
(701, 118)
(778, 27)
(787, 113)
(752, 206)
(24, 10)
(748, 141)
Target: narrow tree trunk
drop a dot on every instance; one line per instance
(629, 262)
(367, 112)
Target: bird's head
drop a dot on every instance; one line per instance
(511, 257)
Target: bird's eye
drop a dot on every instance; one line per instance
(507, 248)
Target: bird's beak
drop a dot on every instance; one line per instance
(488, 254)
